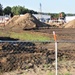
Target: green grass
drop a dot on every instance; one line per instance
(50, 73)
(29, 36)
(4, 34)
(67, 73)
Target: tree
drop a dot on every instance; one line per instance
(7, 10)
(1, 9)
(22, 10)
(54, 15)
(17, 10)
(62, 15)
(14, 10)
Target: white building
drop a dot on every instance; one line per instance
(42, 18)
(5, 18)
(69, 18)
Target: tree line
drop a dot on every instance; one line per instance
(57, 15)
(15, 10)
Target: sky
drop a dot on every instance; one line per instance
(49, 6)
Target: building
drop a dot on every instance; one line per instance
(4, 19)
(69, 18)
(42, 18)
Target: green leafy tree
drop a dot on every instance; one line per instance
(23, 10)
(54, 15)
(17, 10)
(62, 14)
(7, 10)
(1, 9)
(14, 10)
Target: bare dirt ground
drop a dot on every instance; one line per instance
(66, 49)
(41, 56)
(62, 33)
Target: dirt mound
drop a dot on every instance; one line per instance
(26, 21)
(70, 24)
(12, 20)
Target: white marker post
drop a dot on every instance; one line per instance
(55, 51)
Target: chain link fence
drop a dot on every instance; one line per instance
(66, 57)
(23, 55)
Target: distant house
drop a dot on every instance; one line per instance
(5, 18)
(42, 18)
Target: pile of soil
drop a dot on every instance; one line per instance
(12, 20)
(70, 24)
(26, 21)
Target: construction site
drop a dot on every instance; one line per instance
(19, 56)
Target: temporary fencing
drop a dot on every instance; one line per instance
(26, 54)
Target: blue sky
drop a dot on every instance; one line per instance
(53, 6)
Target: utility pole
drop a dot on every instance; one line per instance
(40, 10)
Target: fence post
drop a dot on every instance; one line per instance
(55, 52)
